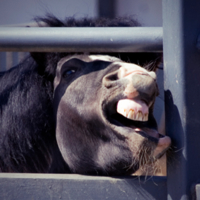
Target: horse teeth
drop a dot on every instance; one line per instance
(146, 116)
(131, 114)
(139, 116)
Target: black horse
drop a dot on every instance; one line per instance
(80, 113)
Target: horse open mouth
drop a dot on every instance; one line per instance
(131, 117)
(132, 114)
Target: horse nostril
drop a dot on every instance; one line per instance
(110, 79)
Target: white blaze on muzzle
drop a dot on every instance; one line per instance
(133, 109)
(128, 69)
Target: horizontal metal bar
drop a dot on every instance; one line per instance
(63, 186)
(129, 39)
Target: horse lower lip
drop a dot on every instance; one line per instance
(150, 132)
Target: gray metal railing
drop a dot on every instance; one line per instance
(130, 39)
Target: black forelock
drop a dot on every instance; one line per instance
(52, 21)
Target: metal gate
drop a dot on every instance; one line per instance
(181, 28)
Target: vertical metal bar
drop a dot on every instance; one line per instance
(106, 8)
(2, 61)
(181, 27)
(15, 56)
(9, 60)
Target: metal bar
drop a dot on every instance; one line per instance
(181, 28)
(130, 39)
(107, 8)
(63, 186)
(2, 61)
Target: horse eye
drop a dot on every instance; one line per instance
(69, 72)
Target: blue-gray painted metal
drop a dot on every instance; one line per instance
(107, 8)
(198, 42)
(196, 192)
(181, 26)
(63, 186)
(137, 39)
(2, 61)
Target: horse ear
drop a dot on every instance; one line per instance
(39, 57)
(40, 60)
(46, 63)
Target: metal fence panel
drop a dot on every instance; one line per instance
(181, 27)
